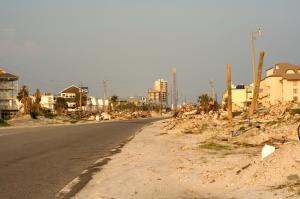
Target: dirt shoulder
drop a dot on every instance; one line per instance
(164, 163)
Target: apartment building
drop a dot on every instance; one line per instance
(281, 84)
(241, 97)
(159, 93)
(71, 94)
(8, 92)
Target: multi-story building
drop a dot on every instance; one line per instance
(48, 101)
(8, 92)
(71, 95)
(159, 94)
(241, 97)
(281, 84)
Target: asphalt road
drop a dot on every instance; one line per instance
(36, 163)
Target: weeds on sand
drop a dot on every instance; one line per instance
(215, 146)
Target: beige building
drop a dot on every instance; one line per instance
(241, 97)
(281, 84)
(159, 94)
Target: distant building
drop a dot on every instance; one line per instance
(48, 101)
(159, 94)
(281, 84)
(92, 104)
(71, 94)
(241, 97)
(8, 92)
(102, 103)
(136, 100)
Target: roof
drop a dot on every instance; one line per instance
(7, 76)
(73, 89)
(280, 70)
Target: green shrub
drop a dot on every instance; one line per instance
(34, 114)
(215, 146)
(3, 123)
(296, 111)
(242, 128)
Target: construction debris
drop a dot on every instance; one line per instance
(266, 151)
(272, 125)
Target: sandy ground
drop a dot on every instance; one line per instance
(168, 164)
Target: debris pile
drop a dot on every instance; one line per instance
(258, 151)
(280, 169)
(125, 115)
(276, 125)
(281, 110)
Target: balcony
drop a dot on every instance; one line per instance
(13, 107)
(8, 85)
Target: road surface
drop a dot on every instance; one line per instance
(39, 162)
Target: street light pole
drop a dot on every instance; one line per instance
(252, 56)
(252, 37)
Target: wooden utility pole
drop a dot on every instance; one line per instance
(252, 57)
(229, 94)
(257, 84)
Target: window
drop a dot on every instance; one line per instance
(295, 98)
(290, 72)
(295, 91)
(295, 83)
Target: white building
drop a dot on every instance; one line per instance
(48, 101)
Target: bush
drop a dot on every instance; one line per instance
(34, 114)
(48, 114)
(3, 123)
(296, 111)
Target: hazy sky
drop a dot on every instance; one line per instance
(53, 43)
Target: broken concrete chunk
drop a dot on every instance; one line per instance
(266, 151)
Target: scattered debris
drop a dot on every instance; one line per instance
(105, 116)
(243, 168)
(266, 151)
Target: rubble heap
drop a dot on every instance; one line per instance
(276, 124)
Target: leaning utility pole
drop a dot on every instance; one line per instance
(104, 84)
(174, 90)
(257, 84)
(229, 94)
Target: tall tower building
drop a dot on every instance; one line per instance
(159, 94)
